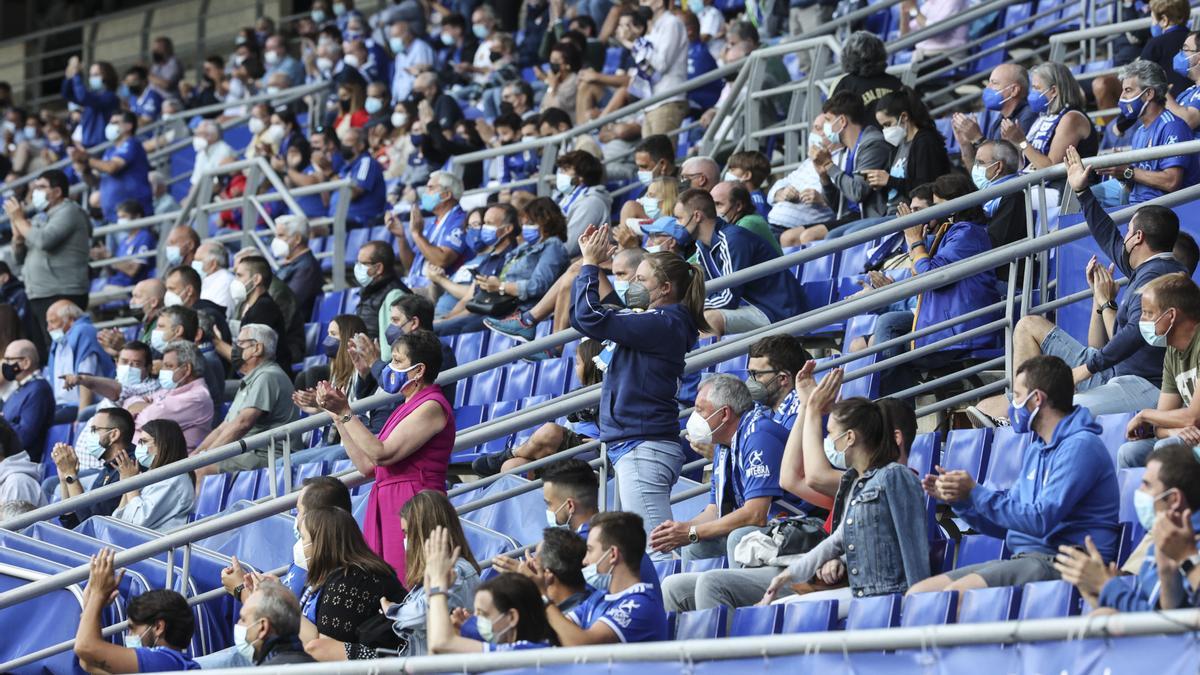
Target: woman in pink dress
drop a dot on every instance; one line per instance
(412, 451)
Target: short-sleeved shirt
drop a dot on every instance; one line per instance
(269, 389)
(163, 660)
(749, 468)
(785, 415)
(365, 173)
(1190, 98)
(131, 182)
(448, 231)
(148, 105)
(1164, 130)
(635, 614)
(1180, 370)
(141, 241)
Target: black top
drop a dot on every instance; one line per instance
(1162, 50)
(350, 597)
(217, 313)
(371, 298)
(265, 311)
(303, 276)
(279, 651)
(1006, 225)
(871, 89)
(927, 160)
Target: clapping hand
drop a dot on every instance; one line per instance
(954, 486)
(966, 129)
(127, 466)
(440, 559)
(594, 244)
(805, 382)
(332, 400)
(1011, 132)
(102, 582)
(876, 178)
(65, 459)
(826, 393)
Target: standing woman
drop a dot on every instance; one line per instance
(412, 451)
(95, 94)
(639, 416)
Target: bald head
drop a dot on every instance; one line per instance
(62, 315)
(702, 172)
(186, 240)
(148, 295)
(1007, 75)
(23, 355)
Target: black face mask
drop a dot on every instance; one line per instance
(348, 153)
(495, 56)
(158, 57)
(556, 68)
(506, 108)
(345, 104)
(137, 90)
(235, 357)
(9, 371)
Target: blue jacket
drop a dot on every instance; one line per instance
(958, 242)
(637, 399)
(98, 107)
(885, 517)
(30, 412)
(1127, 353)
(83, 343)
(534, 268)
(734, 248)
(1067, 490)
(1139, 593)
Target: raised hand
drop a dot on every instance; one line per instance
(1078, 175)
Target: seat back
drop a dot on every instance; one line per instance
(1129, 481)
(881, 611)
(929, 609)
(702, 624)
(552, 376)
(666, 568)
(519, 382)
(924, 453)
(815, 616)
(1004, 461)
(986, 605)
(1113, 433)
(968, 449)
(706, 564)
(1049, 600)
(756, 621)
(978, 548)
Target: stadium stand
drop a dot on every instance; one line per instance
(570, 325)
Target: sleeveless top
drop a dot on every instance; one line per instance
(1041, 134)
(433, 458)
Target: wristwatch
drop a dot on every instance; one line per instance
(237, 592)
(345, 419)
(434, 590)
(692, 536)
(1127, 174)
(1108, 305)
(69, 480)
(1022, 145)
(1190, 564)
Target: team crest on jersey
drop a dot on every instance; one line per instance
(756, 468)
(623, 614)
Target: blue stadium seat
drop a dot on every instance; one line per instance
(985, 605)
(968, 449)
(312, 338)
(211, 499)
(941, 552)
(352, 296)
(510, 517)
(329, 307)
(666, 568)
(486, 387)
(1004, 463)
(519, 382)
(467, 416)
(979, 548)
(929, 609)
(736, 366)
(702, 624)
(355, 239)
(867, 387)
(925, 452)
(815, 616)
(706, 564)
(552, 376)
(470, 347)
(756, 621)
(1129, 481)
(862, 325)
(500, 343)
(881, 611)
(1113, 433)
(59, 433)
(245, 485)
(1049, 600)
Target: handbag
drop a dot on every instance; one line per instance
(375, 632)
(489, 303)
(797, 535)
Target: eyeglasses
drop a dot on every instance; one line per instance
(756, 373)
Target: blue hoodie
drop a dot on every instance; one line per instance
(1067, 490)
(81, 338)
(97, 108)
(637, 398)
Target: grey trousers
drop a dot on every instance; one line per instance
(740, 587)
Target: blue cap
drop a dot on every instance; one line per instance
(669, 226)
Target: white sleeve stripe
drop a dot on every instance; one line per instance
(726, 268)
(615, 628)
(364, 169)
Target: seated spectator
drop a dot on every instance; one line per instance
(212, 264)
(1062, 121)
(846, 190)
(298, 267)
(562, 82)
(96, 97)
(735, 206)
(165, 69)
(1172, 481)
(750, 168)
(552, 437)
(137, 242)
(413, 56)
(509, 610)
(865, 60)
(185, 289)
(339, 346)
(724, 249)
(702, 173)
(29, 405)
(920, 148)
(75, 350)
(101, 444)
(256, 305)
(177, 323)
(702, 56)
(375, 272)
(211, 153)
(144, 101)
(183, 246)
(1185, 103)
(583, 198)
(1066, 492)
(654, 158)
(995, 163)
(780, 358)
(159, 632)
(1170, 18)
(183, 397)
(799, 214)
(745, 472)
(442, 242)
(1004, 98)
(263, 401)
(277, 60)
(166, 504)
(123, 167)
(1153, 126)
(560, 557)
(131, 389)
(268, 629)
(602, 92)
(20, 476)
(147, 299)
(164, 201)
(368, 193)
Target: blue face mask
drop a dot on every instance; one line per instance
(1151, 336)
(393, 333)
(992, 99)
(1020, 417)
(394, 378)
(95, 83)
(1156, 30)
(1038, 101)
(430, 200)
(530, 233)
(1181, 64)
(330, 345)
(488, 235)
(1131, 108)
(473, 237)
(598, 580)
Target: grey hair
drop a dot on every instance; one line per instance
(633, 256)
(447, 180)
(1149, 75)
(277, 604)
(188, 354)
(726, 390)
(265, 336)
(217, 253)
(1006, 152)
(1070, 96)
(293, 224)
(702, 164)
(864, 54)
(209, 127)
(13, 508)
(69, 311)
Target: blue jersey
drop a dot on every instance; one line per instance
(148, 105)
(760, 203)
(786, 415)
(1191, 99)
(1164, 130)
(519, 645)
(312, 205)
(635, 614)
(295, 579)
(647, 574)
(141, 241)
(366, 174)
(163, 660)
(131, 182)
(749, 469)
(449, 231)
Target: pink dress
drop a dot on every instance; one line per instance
(395, 484)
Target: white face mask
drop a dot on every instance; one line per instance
(298, 558)
(257, 125)
(237, 291)
(199, 144)
(112, 131)
(127, 375)
(895, 134)
(399, 119)
(698, 430)
(39, 200)
(280, 248)
(172, 299)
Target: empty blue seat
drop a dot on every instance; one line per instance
(1113, 433)
(329, 307)
(809, 617)
(467, 416)
(1004, 462)
(967, 449)
(756, 621)
(312, 338)
(500, 343)
(552, 376)
(924, 453)
(352, 297)
(985, 605)
(706, 564)
(702, 624)
(868, 386)
(1129, 481)
(666, 568)
(470, 347)
(519, 382)
(735, 366)
(929, 609)
(355, 239)
(245, 485)
(881, 611)
(1049, 600)
(941, 553)
(979, 548)
(854, 259)
(485, 387)
(212, 495)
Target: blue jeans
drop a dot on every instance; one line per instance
(463, 323)
(645, 476)
(1133, 454)
(226, 658)
(888, 326)
(854, 226)
(1102, 393)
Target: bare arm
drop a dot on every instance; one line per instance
(410, 435)
(571, 635)
(753, 512)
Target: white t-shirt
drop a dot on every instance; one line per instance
(212, 157)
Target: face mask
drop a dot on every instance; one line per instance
(480, 31)
(651, 206)
(238, 291)
(241, 643)
(1131, 108)
(488, 235)
(698, 430)
(979, 175)
(199, 144)
(348, 154)
(39, 200)
(399, 119)
(9, 371)
(373, 105)
(324, 64)
(142, 454)
(552, 518)
(831, 135)
(487, 629)
(895, 134)
(396, 44)
(1020, 417)
(530, 233)
(836, 457)
(95, 83)
(1182, 65)
(275, 133)
(57, 335)
(271, 58)
(257, 125)
(196, 265)
(112, 131)
(644, 177)
(174, 255)
(166, 379)
(128, 375)
(1156, 30)
(1151, 337)
(135, 641)
(172, 299)
(393, 333)
(596, 579)
(430, 200)
(394, 379)
(298, 557)
(1038, 101)
(1143, 505)
(339, 9)
(318, 15)
(992, 99)
(158, 339)
(361, 274)
(759, 392)
(89, 444)
(352, 61)
(447, 39)
(472, 238)
(621, 288)
(330, 344)
(562, 182)
(637, 296)
(280, 248)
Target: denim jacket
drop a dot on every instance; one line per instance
(534, 268)
(882, 533)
